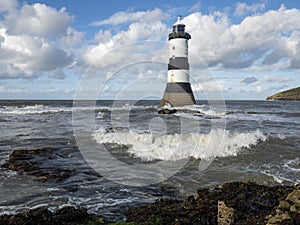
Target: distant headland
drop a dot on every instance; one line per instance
(291, 94)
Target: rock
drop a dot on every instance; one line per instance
(288, 210)
(292, 94)
(230, 203)
(225, 214)
(37, 163)
(294, 199)
(42, 216)
(280, 218)
(167, 111)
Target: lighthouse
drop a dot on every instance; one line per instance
(178, 91)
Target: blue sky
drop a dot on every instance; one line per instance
(54, 49)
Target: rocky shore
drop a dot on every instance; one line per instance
(292, 94)
(230, 203)
(42, 216)
(37, 163)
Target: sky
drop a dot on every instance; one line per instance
(66, 49)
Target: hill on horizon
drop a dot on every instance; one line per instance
(291, 94)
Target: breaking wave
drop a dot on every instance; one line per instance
(172, 147)
(35, 109)
(44, 109)
(285, 171)
(193, 111)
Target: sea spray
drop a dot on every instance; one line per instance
(172, 147)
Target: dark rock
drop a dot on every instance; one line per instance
(32, 162)
(167, 111)
(248, 203)
(42, 216)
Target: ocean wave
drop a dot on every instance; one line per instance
(277, 113)
(197, 111)
(292, 164)
(35, 109)
(284, 171)
(126, 107)
(44, 109)
(172, 147)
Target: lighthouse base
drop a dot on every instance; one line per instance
(178, 94)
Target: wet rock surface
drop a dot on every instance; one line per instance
(232, 203)
(37, 163)
(288, 210)
(167, 111)
(42, 216)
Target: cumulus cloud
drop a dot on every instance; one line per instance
(270, 40)
(148, 16)
(25, 56)
(249, 80)
(35, 40)
(72, 37)
(242, 8)
(265, 41)
(143, 26)
(137, 31)
(30, 37)
(8, 5)
(38, 19)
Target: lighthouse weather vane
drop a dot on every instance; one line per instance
(178, 90)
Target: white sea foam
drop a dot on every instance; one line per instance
(293, 164)
(284, 170)
(36, 109)
(40, 109)
(126, 107)
(100, 115)
(196, 111)
(217, 143)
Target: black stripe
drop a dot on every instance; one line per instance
(178, 88)
(179, 35)
(178, 63)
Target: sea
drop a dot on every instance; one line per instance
(125, 154)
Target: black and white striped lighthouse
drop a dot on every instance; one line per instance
(178, 91)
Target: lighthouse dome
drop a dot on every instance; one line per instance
(179, 26)
(179, 21)
(179, 30)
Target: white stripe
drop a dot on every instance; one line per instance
(177, 76)
(178, 47)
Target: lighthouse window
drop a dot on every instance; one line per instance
(173, 48)
(180, 28)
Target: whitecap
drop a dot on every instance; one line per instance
(172, 147)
